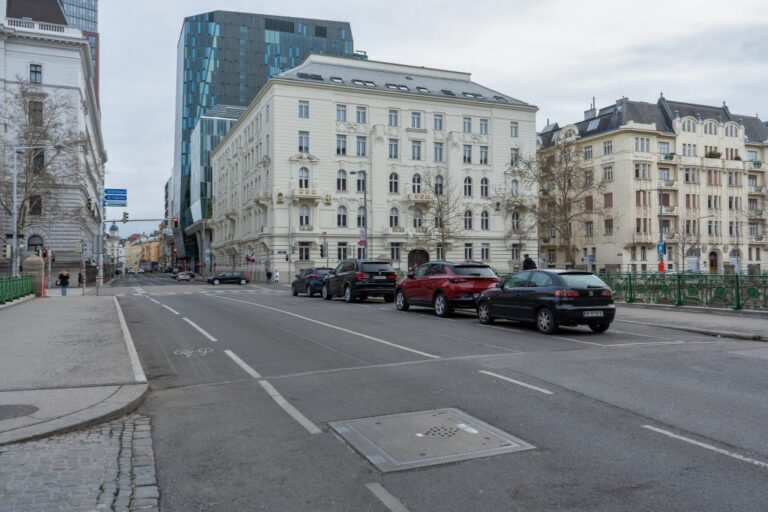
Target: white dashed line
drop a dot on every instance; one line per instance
(154, 300)
(287, 407)
(513, 381)
(389, 501)
(200, 329)
(170, 309)
(242, 364)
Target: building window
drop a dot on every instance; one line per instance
(415, 150)
(485, 221)
(304, 251)
(438, 122)
(608, 173)
(341, 181)
(515, 253)
(689, 126)
(361, 143)
(342, 250)
(483, 155)
(341, 217)
(513, 129)
(341, 144)
(416, 120)
(303, 177)
(751, 155)
(588, 229)
(515, 221)
(588, 203)
(394, 183)
(36, 113)
(361, 217)
(468, 220)
(467, 154)
(485, 252)
(303, 109)
(35, 73)
(663, 148)
(608, 147)
(514, 157)
(587, 152)
(418, 218)
(341, 113)
(38, 161)
(642, 144)
(438, 151)
(304, 215)
(394, 218)
(514, 188)
(439, 185)
(303, 142)
(468, 187)
(689, 149)
(467, 125)
(468, 252)
(394, 251)
(731, 130)
(361, 176)
(484, 187)
(394, 148)
(608, 200)
(642, 171)
(483, 127)
(35, 205)
(362, 115)
(394, 117)
(416, 184)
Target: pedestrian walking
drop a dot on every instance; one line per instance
(80, 279)
(63, 282)
(528, 263)
(269, 277)
(277, 277)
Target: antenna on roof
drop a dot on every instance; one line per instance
(661, 95)
(547, 121)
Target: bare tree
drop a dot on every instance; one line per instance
(442, 210)
(567, 194)
(688, 237)
(45, 123)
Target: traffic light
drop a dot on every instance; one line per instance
(45, 253)
(125, 217)
(322, 250)
(53, 257)
(175, 222)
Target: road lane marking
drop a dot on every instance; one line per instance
(580, 341)
(154, 300)
(242, 364)
(138, 371)
(372, 338)
(519, 383)
(708, 447)
(138, 290)
(506, 329)
(389, 501)
(287, 407)
(170, 309)
(200, 329)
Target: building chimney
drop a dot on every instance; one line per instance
(592, 112)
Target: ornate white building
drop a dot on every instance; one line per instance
(290, 178)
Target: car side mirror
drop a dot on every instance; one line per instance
(332, 272)
(411, 275)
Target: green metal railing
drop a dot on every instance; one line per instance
(12, 288)
(713, 290)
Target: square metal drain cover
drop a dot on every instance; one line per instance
(417, 439)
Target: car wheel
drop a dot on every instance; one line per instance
(442, 306)
(545, 321)
(216, 282)
(242, 282)
(401, 303)
(293, 291)
(484, 313)
(309, 291)
(348, 297)
(599, 327)
(326, 293)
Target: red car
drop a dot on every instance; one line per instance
(445, 286)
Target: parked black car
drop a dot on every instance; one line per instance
(310, 281)
(360, 279)
(228, 278)
(550, 298)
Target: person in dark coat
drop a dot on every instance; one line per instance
(64, 281)
(528, 263)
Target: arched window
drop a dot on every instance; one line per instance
(361, 217)
(710, 128)
(418, 218)
(468, 220)
(35, 243)
(484, 187)
(515, 221)
(394, 218)
(304, 215)
(341, 180)
(468, 186)
(731, 130)
(689, 125)
(514, 188)
(394, 183)
(303, 177)
(416, 184)
(485, 221)
(341, 217)
(35, 205)
(439, 185)
(361, 175)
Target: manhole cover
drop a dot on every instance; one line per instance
(8, 412)
(417, 439)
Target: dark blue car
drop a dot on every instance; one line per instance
(310, 281)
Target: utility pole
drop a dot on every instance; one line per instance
(50, 237)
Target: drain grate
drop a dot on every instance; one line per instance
(427, 438)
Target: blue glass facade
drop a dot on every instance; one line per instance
(224, 58)
(84, 14)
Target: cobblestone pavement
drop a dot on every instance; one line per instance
(110, 467)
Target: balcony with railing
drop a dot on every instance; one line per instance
(669, 210)
(43, 27)
(419, 198)
(756, 213)
(667, 183)
(309, 192)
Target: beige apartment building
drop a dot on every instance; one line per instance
(342, 158)
(691, 175)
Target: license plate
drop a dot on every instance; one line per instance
(379, 278)
(593, 313)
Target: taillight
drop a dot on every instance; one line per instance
(360, 275)
(566, 293)
(607, 293)
(393, 275)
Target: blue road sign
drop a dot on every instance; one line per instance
(115, 197)
(116, 191)
(123, 203)
(661, 247)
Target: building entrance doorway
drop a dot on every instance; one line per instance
(714, 263)
(416, 258)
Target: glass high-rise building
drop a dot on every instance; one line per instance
(224, 58)
(84, 14)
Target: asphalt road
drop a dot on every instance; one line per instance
(637, 418)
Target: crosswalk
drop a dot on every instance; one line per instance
(249, 290)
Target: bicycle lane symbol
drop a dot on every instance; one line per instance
(193, 353)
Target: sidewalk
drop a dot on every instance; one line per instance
(66, 364)
(748, 325)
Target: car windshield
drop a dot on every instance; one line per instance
(476, 270)
(371, 266)
(583, 280)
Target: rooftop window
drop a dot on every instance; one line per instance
(337, 80)
(358, 82)
(422, 89)
(448, 92)
(368, 83)
(593, 125)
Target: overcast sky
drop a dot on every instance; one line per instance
(555, 54)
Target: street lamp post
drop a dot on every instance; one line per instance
(365, 206)
(48, 205)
